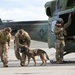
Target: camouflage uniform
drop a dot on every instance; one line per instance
(18, 45)
(59, 45)
(5, 37)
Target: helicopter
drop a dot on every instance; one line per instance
(61, 9)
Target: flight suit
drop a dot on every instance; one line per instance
(4, 45)
(17, 45)
(59, 45)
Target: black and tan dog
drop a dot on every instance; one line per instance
(36, 52)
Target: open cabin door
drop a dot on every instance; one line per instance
(51, 35)
(69, 40)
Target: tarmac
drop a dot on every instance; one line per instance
(67, 68)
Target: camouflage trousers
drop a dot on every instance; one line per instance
(4, 54)
(20, 56)
(59, 45)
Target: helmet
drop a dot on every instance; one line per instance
(8, 29)
(60, 20)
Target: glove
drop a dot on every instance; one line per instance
(26, 47)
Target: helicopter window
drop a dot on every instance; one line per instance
(53, 25)
(50, 8)
(48, 11)
(70, 3)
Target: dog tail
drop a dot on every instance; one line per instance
(47, 56)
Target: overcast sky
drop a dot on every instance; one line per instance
(19, 10)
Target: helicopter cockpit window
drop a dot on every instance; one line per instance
(53, 25)
(48, 11)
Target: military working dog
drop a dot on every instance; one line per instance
(31, 53)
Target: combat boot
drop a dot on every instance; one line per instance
(22, 63)
(5, 65)
(58, 62)
(61, 61)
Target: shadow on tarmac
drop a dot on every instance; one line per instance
(16, 64)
